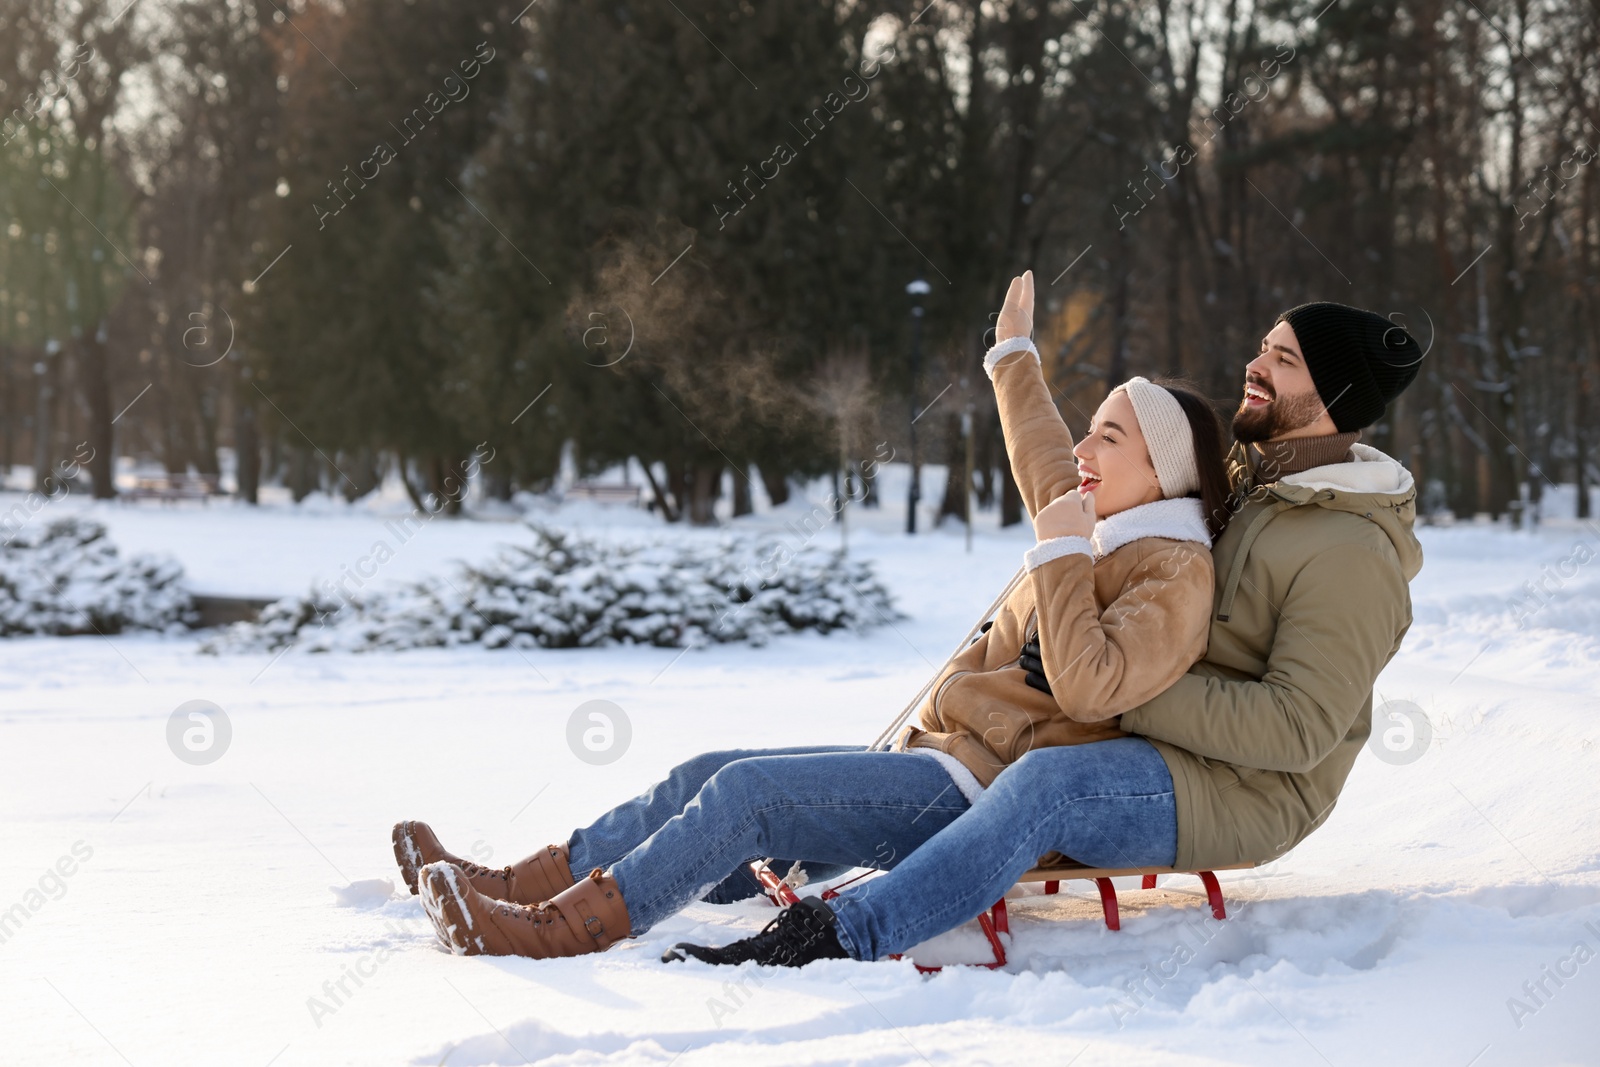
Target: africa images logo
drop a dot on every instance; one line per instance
(199, 732)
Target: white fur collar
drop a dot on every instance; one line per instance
(1179, 519)
(1367, 471)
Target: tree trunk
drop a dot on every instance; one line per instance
(1504, 407)
(1174, 294)
(205, 420)
(703, 493)
(1582, 442)
(669, 511)
(956, 495)
(44, 428)
(412, 491)
(1382, 434)
(97, 396)
(776, 483)
(447, 484)
(8, 420)
(1463, 471)
(302, 474)
(1122, 260)
(678, 486)
(247, 451)
(361, 474)
(741, 492)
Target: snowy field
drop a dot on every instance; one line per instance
(233, 913)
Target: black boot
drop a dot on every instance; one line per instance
(801, 934)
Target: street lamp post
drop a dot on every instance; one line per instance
(916, 290)
(43, 430)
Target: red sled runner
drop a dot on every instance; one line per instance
(996, 920)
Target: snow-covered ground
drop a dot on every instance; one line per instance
(1448, 913)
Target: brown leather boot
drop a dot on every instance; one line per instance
(585, 917)
(529, 881)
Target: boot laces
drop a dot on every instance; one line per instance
(537, 915)
(505, 874)
(793, 935)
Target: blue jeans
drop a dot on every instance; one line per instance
(687, 838)
(834, 808)
(1106, 804)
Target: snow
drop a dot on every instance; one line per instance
(65, 576)
(181, 914)
(554, 588)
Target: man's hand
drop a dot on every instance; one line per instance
(1016, 316)
(1069, 515)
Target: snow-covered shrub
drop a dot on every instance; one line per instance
(65, 577)
(567, 591)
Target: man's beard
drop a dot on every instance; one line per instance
(1280, 415)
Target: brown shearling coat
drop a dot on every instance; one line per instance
(1114, 630)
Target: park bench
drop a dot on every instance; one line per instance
(604, 494)
(173, 487)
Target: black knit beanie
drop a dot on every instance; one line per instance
(1359, 360)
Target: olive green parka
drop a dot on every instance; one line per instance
(1312, 601)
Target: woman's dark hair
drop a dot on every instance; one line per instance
(1210, 453)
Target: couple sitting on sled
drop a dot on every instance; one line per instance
(1181, 677)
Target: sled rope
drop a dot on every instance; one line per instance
(893, 728)
(780, 890)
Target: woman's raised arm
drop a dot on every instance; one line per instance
(1037, 440)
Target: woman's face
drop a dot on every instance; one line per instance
(1113, 462)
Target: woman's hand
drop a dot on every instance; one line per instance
(1016, 316)
(1069, 515)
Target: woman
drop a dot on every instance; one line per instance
(1116, 602)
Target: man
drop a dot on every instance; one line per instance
(1311, 602)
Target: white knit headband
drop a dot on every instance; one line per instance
(1167, 434)
(1166, 429)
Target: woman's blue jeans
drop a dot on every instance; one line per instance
(834, 808)
(688, 837)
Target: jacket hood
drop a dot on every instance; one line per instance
(1371, 484)
(1368, 471)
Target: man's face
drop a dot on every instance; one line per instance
(1279, 396)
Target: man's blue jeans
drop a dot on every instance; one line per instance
(688, 837)
(1106, 804)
